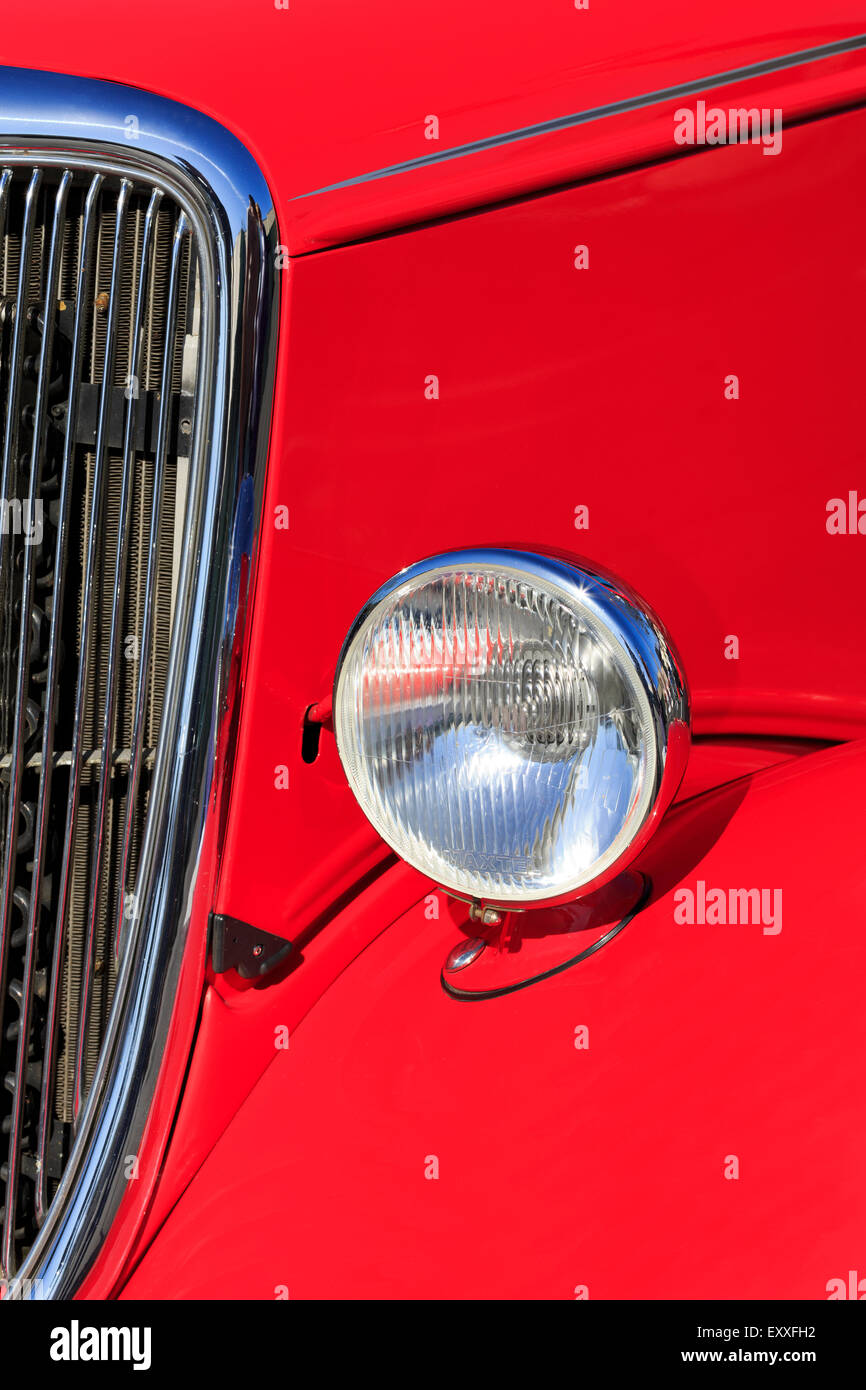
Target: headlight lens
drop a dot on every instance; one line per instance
(505, 721)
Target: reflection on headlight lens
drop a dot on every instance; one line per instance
(495, 727)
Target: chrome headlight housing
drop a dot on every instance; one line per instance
(512, 724)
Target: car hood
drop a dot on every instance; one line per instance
(328, 93)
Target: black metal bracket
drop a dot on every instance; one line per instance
(145, 423)
(235, 945)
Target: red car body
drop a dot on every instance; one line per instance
(563, 1171)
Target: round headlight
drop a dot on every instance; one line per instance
(512, 724)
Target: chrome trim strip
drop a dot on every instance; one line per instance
(78, 123)
(598, 113)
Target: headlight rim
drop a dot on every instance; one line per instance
(636, 630)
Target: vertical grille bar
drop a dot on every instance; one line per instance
(105, 773)
(83, 290)
(33, 906)
(5, 180)
(138, 721)
(10, 446)
(92, 550)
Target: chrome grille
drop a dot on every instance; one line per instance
(99, 311)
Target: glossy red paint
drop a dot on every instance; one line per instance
(626, 139)
(715, 761)
(239, 1027)
(235, 1040)
(537, 362)
(561, 1166)
(558, 388)
(328, 90)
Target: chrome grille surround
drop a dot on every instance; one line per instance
(79, 128)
